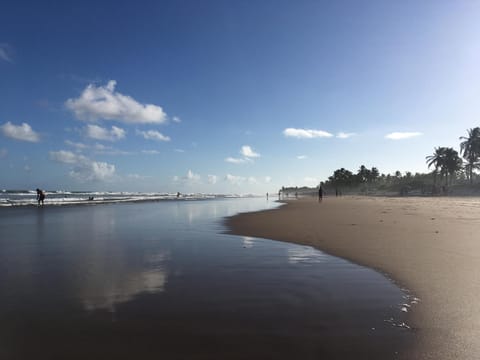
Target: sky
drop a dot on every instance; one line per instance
(230, 96)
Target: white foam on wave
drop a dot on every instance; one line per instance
(63, 197)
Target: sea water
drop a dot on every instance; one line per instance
(10, 198)
(163, 280)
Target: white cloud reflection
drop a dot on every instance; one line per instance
(300, 254)
(103, 290)
(248, 242)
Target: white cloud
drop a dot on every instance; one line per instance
(101, 147)
(99, 133)
(77, 145)
(150, 152)
(113, 151)
(212, 179)
(301, 157)
(248, 152)
(268, 179)
(311, 180)
(240, 180)
(248, 155)
(97, 148)
(67, 157)
(179, 150)
(402, 135)
(191, 177)
(137, 177)
(237, 160)
(5, 53)
(176, 119)
(234, 180)
(103, 102)
(343, 135)
(305, 133)
(84, 169)
(252, 180)
(22, 132)
(153, 135)
(3, 153)
(93, 171)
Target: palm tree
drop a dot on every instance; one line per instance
(341, 177)
(446, 160)
(470, 149)
(374, 174)
(453, 163)
(437, 160)
(363, 174)
(469, 170)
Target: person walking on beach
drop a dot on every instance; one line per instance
(40, 196)
(320, 193)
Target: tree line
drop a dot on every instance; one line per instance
(449, 167)
(447, 162)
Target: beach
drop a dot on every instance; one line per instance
(429, 246)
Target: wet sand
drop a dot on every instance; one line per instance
(431, 246)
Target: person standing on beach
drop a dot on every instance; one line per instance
(40, 196)
(320, 193)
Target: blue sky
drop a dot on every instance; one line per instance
(230, 96)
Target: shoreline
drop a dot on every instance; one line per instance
(83, 202)
(428, 245)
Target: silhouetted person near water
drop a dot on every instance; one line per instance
(320, 194)
(40, 196)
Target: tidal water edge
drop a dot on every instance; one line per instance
(139, 280)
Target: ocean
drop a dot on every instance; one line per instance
(162, 279)
(63, 197)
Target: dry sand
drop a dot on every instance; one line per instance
(431, 246)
